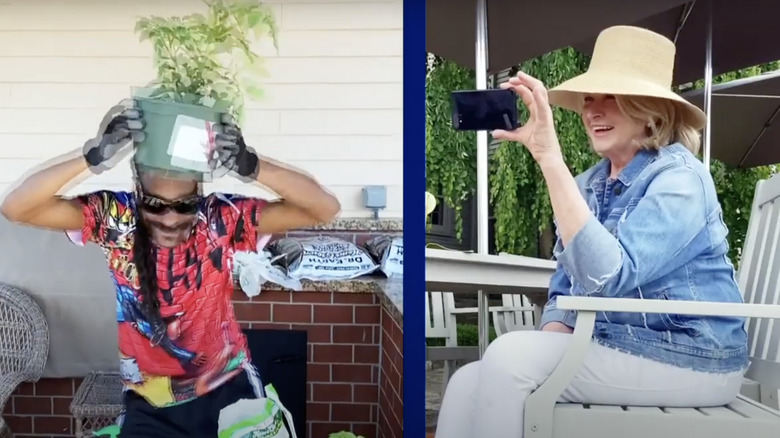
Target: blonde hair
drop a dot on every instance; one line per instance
(664, 121)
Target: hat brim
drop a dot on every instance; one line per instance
(568, 95)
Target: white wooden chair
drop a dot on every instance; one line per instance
(517, 313)
(758, 279)
(440, 323)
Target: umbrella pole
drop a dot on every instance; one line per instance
(480, 67)
(482, 136)
(708, 87)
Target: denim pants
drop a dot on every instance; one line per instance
(487, 398)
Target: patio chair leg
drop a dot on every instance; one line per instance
(448, 371)
(538, 315)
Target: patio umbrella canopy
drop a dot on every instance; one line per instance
(743, 34)
(743, 31)
(743, 120)
(522, 30)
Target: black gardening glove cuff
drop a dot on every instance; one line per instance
(247, 162)
(94, 156)
(233, 154)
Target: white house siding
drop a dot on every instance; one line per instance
(333, 92)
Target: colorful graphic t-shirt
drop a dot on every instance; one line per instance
(197, 344)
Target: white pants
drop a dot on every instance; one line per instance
(487, 398)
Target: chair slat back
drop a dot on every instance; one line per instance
(759, 279)
(438, 318)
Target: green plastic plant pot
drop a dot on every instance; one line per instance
(160, 118)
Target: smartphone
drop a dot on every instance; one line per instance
(484, 110)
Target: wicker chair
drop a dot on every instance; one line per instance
(5, 432)
(24, 343)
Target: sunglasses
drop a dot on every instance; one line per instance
(155, 205)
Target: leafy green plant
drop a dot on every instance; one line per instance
(450, 155)
(518, 193)
(208, 58)
(344, 434)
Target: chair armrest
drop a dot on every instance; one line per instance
(494, 309)
(636, 305)
(541, 403)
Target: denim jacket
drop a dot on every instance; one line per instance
(657, 233)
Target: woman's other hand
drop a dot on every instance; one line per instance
(538, 133)
(555, 326)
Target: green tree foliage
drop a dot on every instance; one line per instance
(518, 195)
(450, 156)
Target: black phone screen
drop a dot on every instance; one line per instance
(484, 110)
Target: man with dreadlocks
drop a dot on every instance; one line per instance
(183, 357)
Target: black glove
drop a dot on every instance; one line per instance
(119, 127)
(232, 153)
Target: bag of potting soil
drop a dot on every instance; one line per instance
(256, 418)
(322, 258)
(388, 251)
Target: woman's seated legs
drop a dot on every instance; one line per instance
(487, 398)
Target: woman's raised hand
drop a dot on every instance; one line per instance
(538, 133)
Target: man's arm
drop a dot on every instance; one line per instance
(303, 201)
(36, 201)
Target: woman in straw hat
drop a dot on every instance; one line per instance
(643, 223)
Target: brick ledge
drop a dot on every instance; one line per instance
(390, 291)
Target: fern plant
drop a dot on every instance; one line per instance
(207, 59)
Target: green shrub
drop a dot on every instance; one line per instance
(468, 336)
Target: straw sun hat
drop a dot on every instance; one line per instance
(628, 60)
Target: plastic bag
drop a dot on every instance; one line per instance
(255, 268)
(111, 431)
(255, 418)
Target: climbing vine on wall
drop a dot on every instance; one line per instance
(451, 156)
(518, 195)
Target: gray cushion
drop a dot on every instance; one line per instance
(73, 286)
